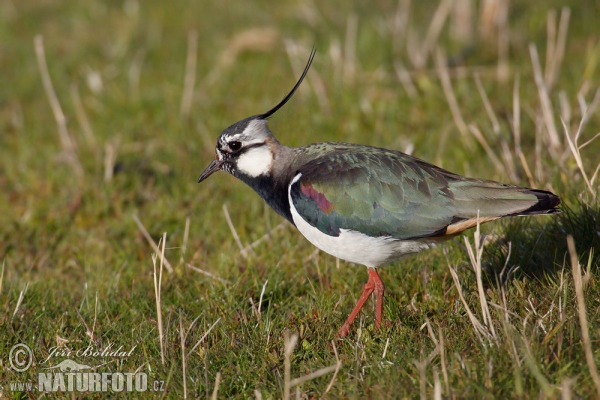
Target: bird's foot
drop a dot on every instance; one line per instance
(344, 330)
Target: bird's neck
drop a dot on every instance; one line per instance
(273, 193)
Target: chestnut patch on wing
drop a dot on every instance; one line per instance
(325, 205)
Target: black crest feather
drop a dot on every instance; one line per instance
(291, 93)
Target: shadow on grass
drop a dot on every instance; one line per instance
(539, 245)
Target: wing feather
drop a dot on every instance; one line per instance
(382, 192)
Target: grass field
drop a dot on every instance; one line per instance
(109, 111)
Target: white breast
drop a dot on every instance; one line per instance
(355, 246)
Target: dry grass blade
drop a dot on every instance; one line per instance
(204, 336)
(589, 141)
(338, 365)
(157, 294)
(437, 385)
(565, 107)
(585, 334)
(565, 387)
(190, 74)
(20, 300)
(503, 70)
(216, 388)
(142, 229)
(556, 56)
(516, 120)
(432, 336)
(289, 344)
(475, 258)
(66, 142)
(545, 103)
(550, 43)
(385, 349)
(110, 156)
(88, 331)
(400, 23)
(313, 375)
(422, 367)
(262, 293)
(516, 126)
(442, 70)
(546, 389)
(461, 28)
(267, 235)
(488, 149)
(506, 154)
(253, 39)
(595, 175)
(183, 362)
(443, 362)
(577, 156)
(203, 272)
(234, 233)
(288, 383)
(82, 118)
(405, 79)
(349, 66)
(486, 104)
(479, 328)
(134, 73)
(186, 234)
(95, 317)
(433, 33)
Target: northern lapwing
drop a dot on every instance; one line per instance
(363, 204)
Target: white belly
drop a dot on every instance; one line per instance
(357, 247)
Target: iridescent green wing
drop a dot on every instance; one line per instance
(381, 192)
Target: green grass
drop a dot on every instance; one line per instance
(73, 255)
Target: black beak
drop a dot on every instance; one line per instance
(214, 166)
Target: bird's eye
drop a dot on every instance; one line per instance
(235, 146)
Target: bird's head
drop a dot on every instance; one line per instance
(248, 146)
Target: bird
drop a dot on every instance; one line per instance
(366, 205)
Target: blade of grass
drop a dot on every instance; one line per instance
(216, 388)
(157, 294)
(151, 243)
(236, 237)
(203, 272)
(585, 334)
(442, 70)
(66, 141)
(183, 361)
(186, 234)
(190, 74)
(545, 103)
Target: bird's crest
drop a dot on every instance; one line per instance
(273, 110)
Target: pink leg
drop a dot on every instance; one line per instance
(379, 289)
(374, 284)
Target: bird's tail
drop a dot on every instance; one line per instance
(546, 204)
(492, 199)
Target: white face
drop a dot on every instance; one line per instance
(249, 151)
(255, 161)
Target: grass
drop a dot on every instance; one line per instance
(109, 111)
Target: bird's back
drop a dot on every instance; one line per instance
(381, 192)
